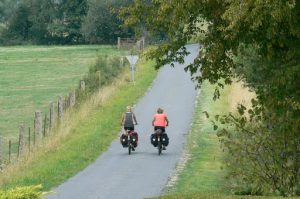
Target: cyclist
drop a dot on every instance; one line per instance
(128, 121)
(160, 121)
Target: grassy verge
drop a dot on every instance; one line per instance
(84, 136)
(32, 76)
(202, 176)
(202, 172)
(211, 196)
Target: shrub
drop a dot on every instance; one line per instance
(108, 67)
(28, 192)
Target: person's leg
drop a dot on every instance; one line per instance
(161, 128)
(128, 129)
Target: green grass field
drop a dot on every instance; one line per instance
(32, 76)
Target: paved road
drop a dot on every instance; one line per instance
(115, 174)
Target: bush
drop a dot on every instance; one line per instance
(29, 192)
(102, 73)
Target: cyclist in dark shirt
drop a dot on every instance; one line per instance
(128, 119)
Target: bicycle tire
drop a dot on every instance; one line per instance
(129, 149)
(159, 146)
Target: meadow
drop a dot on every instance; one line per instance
(32, 76)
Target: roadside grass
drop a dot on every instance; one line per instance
(202, 172)
(87, 132)
(32, 76)
(215, 196)
(202, 175)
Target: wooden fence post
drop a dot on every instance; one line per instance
(9, 151)
(33, 134)
(45, 125)
(121, 62)
(29, 140)
(143, 43)
(38, 126)
(52, 116)
(66, 102)
(72, 98)
(82, 85)
(138, 45)
(98, 75)
(1, 152)
(60, 109)
(21, 148)
(119, 42)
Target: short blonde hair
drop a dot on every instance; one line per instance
(160, 110)
(128, 108)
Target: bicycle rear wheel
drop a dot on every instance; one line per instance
(129, 149)
(159, 147)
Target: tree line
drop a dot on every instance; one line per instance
(61, 21)
(258, 43)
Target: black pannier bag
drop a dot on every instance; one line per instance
(124, 140)
(134, 138)
(165, 139)
(153, 140)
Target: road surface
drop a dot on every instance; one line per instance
(115, 174)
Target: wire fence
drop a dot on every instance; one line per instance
(44, 123)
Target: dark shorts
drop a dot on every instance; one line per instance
(129, 128)
(163, 129)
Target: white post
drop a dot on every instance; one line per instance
(132, 60)
(132, 72)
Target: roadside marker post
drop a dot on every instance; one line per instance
(132, 60)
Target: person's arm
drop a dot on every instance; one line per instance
(122, 120)
(134, 118)
(153, 121)
(167, 120)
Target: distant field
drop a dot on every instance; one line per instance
(32, 76)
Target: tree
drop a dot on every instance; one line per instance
(258, 42)
(70, 16)
(42, 13)
(102, 25)
(6, 8)
(19, 26)
(48, 22)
